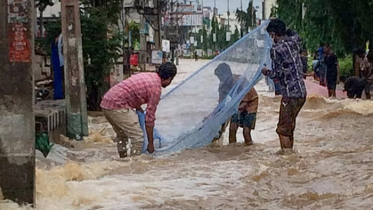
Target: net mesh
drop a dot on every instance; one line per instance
(191, 114)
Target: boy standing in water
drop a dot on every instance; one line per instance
(288, 69)
(246, 116)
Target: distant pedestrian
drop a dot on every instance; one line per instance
(361, 62)
(368, 75)
(321, 65)
(332, 70)
(315, 67)
(304, 62)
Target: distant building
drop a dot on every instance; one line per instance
(268, 4)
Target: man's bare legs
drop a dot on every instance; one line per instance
(331, 93)
(247, 136)
(232, 133)
(286, 142)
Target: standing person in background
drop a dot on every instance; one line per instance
(332, 70)
(304, 62)
(361, 62)
(62, 62)
(315, 67)
(321, 65)
(368, 75)
(287, 68)
(57, 70)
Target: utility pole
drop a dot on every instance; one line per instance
(229, 27)
(242, 25)
(263, 9)
(157, 36)
(77, 120)
(142, 58)
(17, 120)
(216, 27)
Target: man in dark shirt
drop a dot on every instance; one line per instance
(288, 69)
(332, 70)
(354, 86)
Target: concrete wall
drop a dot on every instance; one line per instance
(17, 121)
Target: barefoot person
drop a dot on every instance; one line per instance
(245, 118)
(332, 70)
(120, 102)
(288, 69)
(246, 113)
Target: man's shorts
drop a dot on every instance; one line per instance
(290, 107)
(244, 119)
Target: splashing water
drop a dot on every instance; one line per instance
(331, 168)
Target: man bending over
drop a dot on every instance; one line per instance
(121, 101)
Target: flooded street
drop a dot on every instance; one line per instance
(332, 167)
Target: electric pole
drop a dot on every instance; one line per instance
(157, 36)
(242, 25)
(75, 89)
(214, 36)
(17, 119)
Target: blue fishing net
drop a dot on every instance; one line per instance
(191, 114)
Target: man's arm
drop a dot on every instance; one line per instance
(276, 66)
(150, 118)
(357, 65)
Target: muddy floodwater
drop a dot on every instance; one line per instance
(332, 167)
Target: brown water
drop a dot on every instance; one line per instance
(332, 168)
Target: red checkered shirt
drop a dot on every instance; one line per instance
(139, 89)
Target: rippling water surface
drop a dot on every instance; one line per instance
(331, 169)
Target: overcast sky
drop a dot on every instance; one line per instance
(233, 5)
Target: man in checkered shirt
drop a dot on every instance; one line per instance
(120, 103)
(287, 68)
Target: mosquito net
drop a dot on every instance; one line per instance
(191, 114)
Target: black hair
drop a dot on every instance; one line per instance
(277, 26)
(342, 78)
(327, 45)
(359, 51)
(167, 70)
(223, 70)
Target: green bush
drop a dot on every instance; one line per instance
(346, 66)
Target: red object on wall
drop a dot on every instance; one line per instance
(134, 60)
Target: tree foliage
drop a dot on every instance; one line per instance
(343, 23)
(100, 51)
(247, 18)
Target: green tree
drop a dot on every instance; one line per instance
(99, 51)
(247, 18)
(236, 36)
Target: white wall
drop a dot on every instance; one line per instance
(268, 6)
(54, 10)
